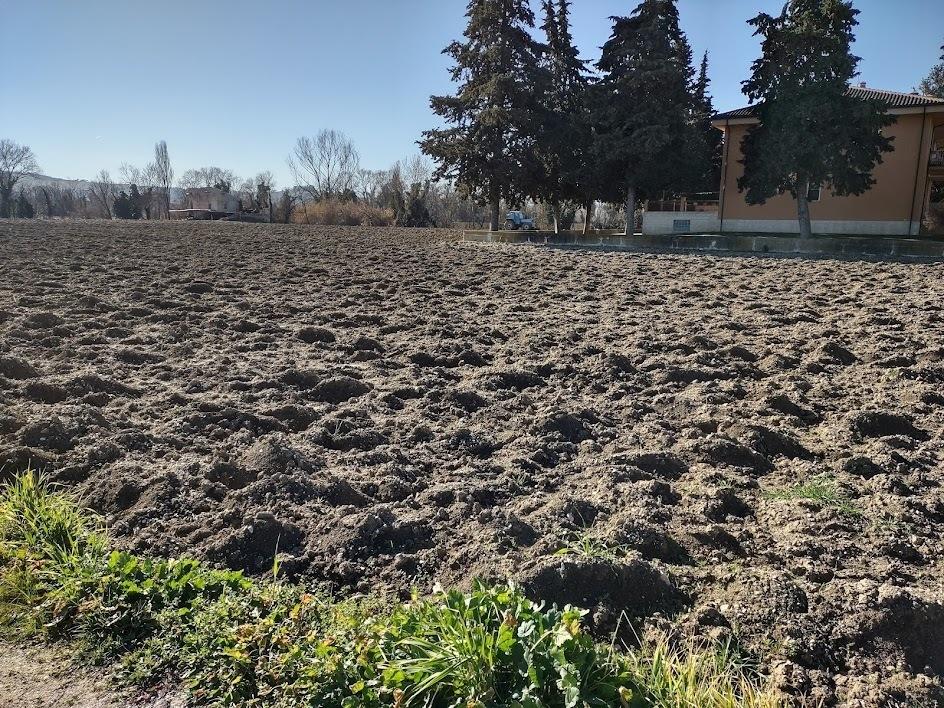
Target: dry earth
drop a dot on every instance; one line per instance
(395, 408)
(33, 676)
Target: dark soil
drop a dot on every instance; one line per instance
(390, 409)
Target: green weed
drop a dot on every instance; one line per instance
(235, 641)
(585, 545)
(821, 490)
(685, 674)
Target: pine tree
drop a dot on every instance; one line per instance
(414, 211)
(812, 131)
(644, 105)
(136, 204)
(489, 147)
(565, 134)
(122, 206)
(711, 136)
(933, 83)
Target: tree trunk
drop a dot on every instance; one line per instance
(495, 208)
(556, 211)
(587, 217)
(803, 208)
(630, 211)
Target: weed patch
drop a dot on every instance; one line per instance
(236, 641)
(821, 490)
(584, 545)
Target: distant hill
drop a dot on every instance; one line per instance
(78, 185)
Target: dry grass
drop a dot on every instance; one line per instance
(333, 212)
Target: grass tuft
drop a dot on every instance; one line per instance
(585, 545)
(821, 490)
(235, 641)
(685, 674)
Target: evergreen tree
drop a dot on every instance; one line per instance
(489, 147)
(23, 207)
(812, 132)
(565, 131)
(414, 212)
(136, 202)
(712, 137)
(122, 206)
(933, 83)
(644, 106)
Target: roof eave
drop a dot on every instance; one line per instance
(721, 123)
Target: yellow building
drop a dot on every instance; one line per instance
(896, 204)
(909, 182)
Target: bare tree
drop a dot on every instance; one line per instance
(264, 184)
(369, 183)
(58, 201)
(326, 165)
(104, 191)
(15, 161)
(163, 177)
(416, 170)
(191, 179)
(222, 179)
(265, 177)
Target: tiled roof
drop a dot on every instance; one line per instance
(894, 99)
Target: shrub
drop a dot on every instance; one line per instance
(493, 646)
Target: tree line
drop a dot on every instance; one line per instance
(330, 187)
(531, 120)
(531, 123)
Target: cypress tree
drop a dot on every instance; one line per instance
(122, 206)
(644, 105)
(136, 200)
(811, 131)
(489, 146)
(565, 130)
(712, 138)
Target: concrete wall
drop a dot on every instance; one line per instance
(848, 227)
(892, 206)
(674, 222)
(845, 247)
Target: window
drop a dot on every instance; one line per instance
(681, 226)
(813, 193)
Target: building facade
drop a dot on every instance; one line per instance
(903, 201)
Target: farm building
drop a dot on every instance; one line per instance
(212, 199)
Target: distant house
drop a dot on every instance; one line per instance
(211, 199)
(208, 203)
(896, 204)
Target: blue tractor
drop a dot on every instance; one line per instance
(516, 220)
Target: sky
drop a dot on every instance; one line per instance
(233, 83)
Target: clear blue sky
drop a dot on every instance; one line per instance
(233, 83)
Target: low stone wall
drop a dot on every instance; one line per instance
(679, 222)
(696, 222)
(844, 246)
